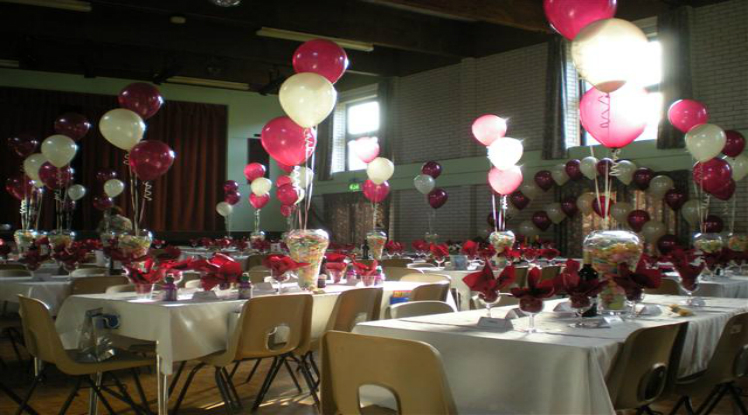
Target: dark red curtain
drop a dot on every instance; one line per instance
(183, 199)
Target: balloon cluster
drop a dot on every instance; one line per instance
(112, 187)
(425, 183)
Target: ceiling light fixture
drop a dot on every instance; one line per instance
(303, 37)
(226, 3)
(72, 5)
(210, 83)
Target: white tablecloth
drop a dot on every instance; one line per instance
(561, 371)
(730, 287)
(52, 293)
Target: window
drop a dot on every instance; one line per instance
(362, 120)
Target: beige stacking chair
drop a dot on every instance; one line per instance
(520, 276)
(12, 266)
(193, 284)
(430, 292)
(89, 271)
(188, 276)
(412, 371)
(95, 285)
(13, 272)
(254, 261)
(122, 288)
(669, 286)
(426, 277)
(396, 262)
(258, 276)
(43, 343)
(396, 273)
(418, 308)
(549, 272)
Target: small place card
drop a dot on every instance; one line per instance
(610, 321)
(500, 325)
(650, 310)
(515, 313)
(204, 295)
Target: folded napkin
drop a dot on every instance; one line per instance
(515, 313)
(650, 310)
(564, 309)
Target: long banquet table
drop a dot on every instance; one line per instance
(52, 291)
(560, 371)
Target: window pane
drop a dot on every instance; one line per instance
(650, 66)
(363, 118)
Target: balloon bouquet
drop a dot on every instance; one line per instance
(27, 187)
(254, 172)
(436, 197)
(231, 197)
(307, 97)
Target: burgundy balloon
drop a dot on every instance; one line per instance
(73, 125)
(437, 198)
(569, 206)
(254, 171)
(544, 179)
(376, 193)
(232, 197)
(713, 224)
(23, 145)
(603, 166)
(726, 191)
(541, 220)
(598, 205)
(230, 186)
(574, 170)
(259, 202)
(287, 142)
(55, 178)
(19, 186)
(675, 199)
(667, 243)
(432, 169)
(103, 202)
(322, 57)
(103, 175)
(637, 218)
(288, 194)
(150, 159)
(642, 177)
(735, 143)
(286, 210)
(141, 98)
(519, 200)
(712, 175)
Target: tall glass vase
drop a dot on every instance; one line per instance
(606, 250)
(309, 246)
(61, 238)
(501, 241)
(376, 240)
(135, 245)
(25, 239)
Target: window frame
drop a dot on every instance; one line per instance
(351, 137)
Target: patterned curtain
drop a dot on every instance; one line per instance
(554, 137)
(673, 32)
(350, 216)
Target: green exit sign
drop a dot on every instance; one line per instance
(354, 187)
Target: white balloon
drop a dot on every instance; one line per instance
(224, 209)
(59, 150)
(690, 212)
(555, 212)
(528, 229)
(705, 141)
(607, 53)
(620, 211)
(38, 184)
(305, 176)
(584, 202)
(659, 185)
(424, 183)
(122, 127)
(626, 170)
(739, 166)
(653, 231)
(530, 189)
(76, 192)
(307, 98)
(302, 193)
(505, 152)
(261, 186)
(558, 172)
(380, 170)
(588, 166)
(32, 164)
(114, 187)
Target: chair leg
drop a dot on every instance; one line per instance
(225, 394)
(71, 397)
(125, 395)
(715, 401)
(736, 397)
(314, 365)
(715, 391)
(97, 391)
(293, 376)
(680, 402)
(232, 388)
(187, 383)
(254, 369)
(689, 406)
(272, 372)
(139, 387)
(28, 394)
(236, 367)
(12, 337)
(310, 381)
(15, 398)
(176, 377)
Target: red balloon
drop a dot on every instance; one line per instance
(23, 145)
(519, 200)
(667, 243)
(712, 175)
(568, 17)
(599, 205)
(19, 186)
(150, 159)
(604, 166)
(232, 197)
(726, 191)
(288, 194)
(713, 224)
(141, 98)
(287, 210)
(103, 175)
(569, 206)
(73, 125)
(432, 169)
(637, 218)
(286, 168)
(376, 193)
(544, 179)
(230, 186)
(437, 198)
(259, 202)
(541, 220)
(675, 199)
(253, 171)
(287, 142)
(685, 114)
(642, 177)
(103, 202)
(55, 178)
(615, 119)
(283, 180)
(322, 57)
(573, 169)
(735, 143)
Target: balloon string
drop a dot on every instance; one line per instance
(504, 207)
(495, 219)
(38, 210)
(24, 214)
(605, 114)
(310, 180)
(732, 216)
(597, 185)
(374, 216)
(58, 207)
(147, 197)
(257, 220)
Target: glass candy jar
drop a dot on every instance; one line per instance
(501, 240)
(25, 239)
(708, 243)
(308, 246)
(61, 238)
(135, 245)
(606, 250)
(376, 240)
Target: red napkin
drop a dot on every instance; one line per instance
(488, 251)
(169, 253)
(688, 273)
(42, 241)
(578, 289)
(439, 251)
(149, 274)
(549, 253)
(337, 266)
(470, 248)
(420, 245)
(280, 264)
(241, 244)
(635, 282)
(366, 270)
(4, 249)
(487, 284)
(531, 298)
(570, 267)
(218, 270)
(391, 247)
(74, 254)
(335, 257)
(511, 254)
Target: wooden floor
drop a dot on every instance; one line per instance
(203, 396)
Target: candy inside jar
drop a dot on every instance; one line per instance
(708, 243)
(501, 240)
(135, 245)
(309, 246)
(376, 240)
(606, 250)
(737, 242)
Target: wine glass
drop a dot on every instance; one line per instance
(690, 287)
(531, 306)
(580, 303)
(530, 255)
(279, 279)
(634, 297)
(490, 299)
(335, 274)
(439, 261)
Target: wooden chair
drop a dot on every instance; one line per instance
(430, 292)
(412, 371)
(89, 271)
(14, 272)
(396, 273)
(396, 262)
(418, 308)
(95, 285)
(669, 286)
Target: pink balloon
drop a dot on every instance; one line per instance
(488, 128)
(23, 145)
(232, 197)
(602, 206)
(437, 198)
(150, 159)
(637, 218)
(55, 178)
(615, 119)
(568, 17)
(73, 125)
(604, 166)
(103, 202)
(504, 182)
(230, 186)
(286, 168)
(287, 210)
(259, 202)
(288, 194)
(376, 193)
(141, 98)
(686, 114)
(366, 148)
(19, 186)
(322, 57)
(283, 180)
(253, 171)
(726, 191)
(519, 200)
(287, 142)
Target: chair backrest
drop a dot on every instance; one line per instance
(668, 287)
(12, 266)
(90, 266)
(40, 336)
(82, 272)
(397, 273)
(122, 288)
(192, 284)
(426, 277)
(549, 272)
(355, 306)
(430, 292)
(520, 276)
(418, 308)
(255, 260)
(412, 371)
(730, 358)
(422, 265)
(14, 273)
(257, 277)
(396, 262)
(646, 365)
(188, 276)
(95, 285)
(259, 268)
